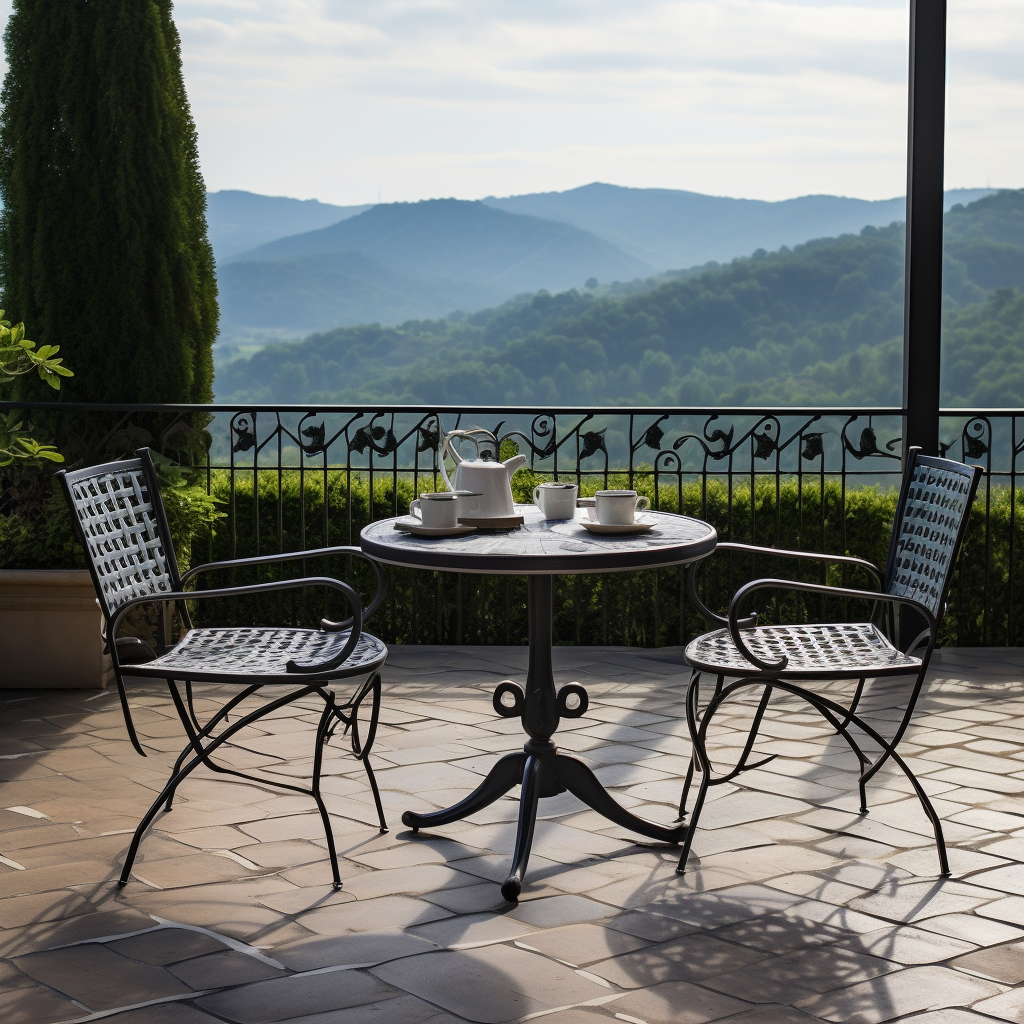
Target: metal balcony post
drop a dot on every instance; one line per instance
(922, 315)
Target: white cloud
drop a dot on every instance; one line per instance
(338, 99)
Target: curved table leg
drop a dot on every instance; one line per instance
(583, 784)
(513, 885)
(507, 773)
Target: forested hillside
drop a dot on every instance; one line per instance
(820, 323)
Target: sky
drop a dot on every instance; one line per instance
(360, 101)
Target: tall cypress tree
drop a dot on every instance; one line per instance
(103, 246)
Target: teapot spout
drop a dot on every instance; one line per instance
(514, 464)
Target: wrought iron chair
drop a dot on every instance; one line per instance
(931, 519)
(120, 520)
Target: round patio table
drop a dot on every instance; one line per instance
(541, 549)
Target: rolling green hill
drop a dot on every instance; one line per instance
(819, 323)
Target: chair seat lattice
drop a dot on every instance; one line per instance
(853, 648)
(259, 652)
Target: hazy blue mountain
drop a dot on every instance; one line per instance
(242, 220)
(338, 288)
(671, 229)
(400, 261)
(468, 241)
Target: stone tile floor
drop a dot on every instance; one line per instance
(794, 907)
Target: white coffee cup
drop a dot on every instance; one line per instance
(618, 508)
(437, 510)
(556, 500)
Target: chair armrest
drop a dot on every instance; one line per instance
(296, 556)
(262, 588)
(813, 588)
(809, 556)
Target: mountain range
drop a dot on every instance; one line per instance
(319, 266)
(818, 323)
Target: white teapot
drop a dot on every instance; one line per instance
(484, 484)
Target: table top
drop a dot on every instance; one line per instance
(544, 546)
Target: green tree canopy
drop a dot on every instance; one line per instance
(103, 246)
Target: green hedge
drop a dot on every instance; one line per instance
(643, 609)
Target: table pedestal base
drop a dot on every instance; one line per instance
(542, 772)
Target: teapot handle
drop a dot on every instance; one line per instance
(448, 448)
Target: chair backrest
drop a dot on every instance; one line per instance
(931, 520)
(121, 522)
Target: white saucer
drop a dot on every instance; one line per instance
(419, 530)
(635, 527)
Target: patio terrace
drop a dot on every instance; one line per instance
(795, 908)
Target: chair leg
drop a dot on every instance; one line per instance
(201, 732)
(361, 750)
(693, 766)
(318, 761)
(687, 782)
(698, 806)
(201, 757)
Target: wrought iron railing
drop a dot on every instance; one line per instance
(814, 478)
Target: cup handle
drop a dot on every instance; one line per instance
(414, 508)
(642, 503)
(536, 495)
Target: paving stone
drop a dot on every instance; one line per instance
(999, 963)
(420, 879)
(690, 958)
(35, 1005)
(907, 945)
(390, 912)
(165, 1013)
(1003, 879)
(188, 870)
(924, 861)
(364, 949)
(50, 934)
(949, 1015)
(779, 933)
(582, 944)
(218, 970)
(1008, 1006)
(32, 880)
(472, 929)
(800, 974)
(676, 1002)
(287, 998)
(895, 995)
(99, 977)
(51, 906)
(492, 984)
(654, 927)
(556, 911)
(484, 897)
(841, 918)
(982, 931)
(915, 901)
(1010, 910)
(166, 946)
(743, 807)
(401, 1010)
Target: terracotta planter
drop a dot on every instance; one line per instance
(50, 631)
